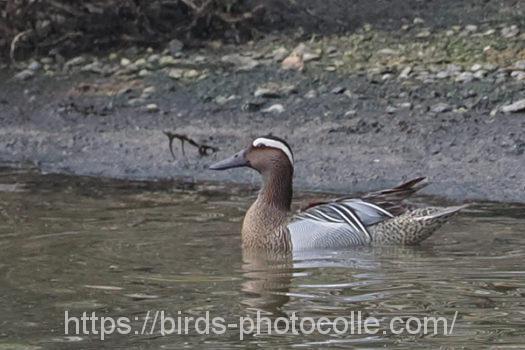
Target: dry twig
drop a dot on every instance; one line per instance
(14, 42)
(204, 150)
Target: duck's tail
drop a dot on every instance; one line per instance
(412, 227)
(401, 191)
(392, 199)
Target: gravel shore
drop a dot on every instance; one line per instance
(361, 110)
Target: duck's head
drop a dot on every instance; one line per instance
(263, 154)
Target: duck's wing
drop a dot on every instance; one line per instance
(389, 199)
(337, 224)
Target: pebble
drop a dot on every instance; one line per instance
(141, 62)
(94, 67)
(130, 69)
(311, 94)
(136, 102)
(124, 91)
(148, 91)
(510, 31)
(476, 67)
(144, 73)
(338, 63)
(276, 108)
(312, 56)
(124, 62)
(176, 73)
(490, 67)
(331, 50)
(76, 61)
(34, 66)
(241, 63)
(338, 90)
(480, 74)
(26, 74)
(222, 100)
(349, 94)
(274, 90)
(293, 62)
(451, 70)
(423, 34)
(391, 110)
(199, 59)
(167, 60)
(387, 52)
(471, 28)
(518, 106)
(518, 75)
(266, 92)
(47, 60)
(464, 77)
(153, 58)
(192, 73)
(442, 74)
(405, 72)
(279, 54)
(440, 108)
(152, 108)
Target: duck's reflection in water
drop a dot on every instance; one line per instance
(267, 280)
(272, 280)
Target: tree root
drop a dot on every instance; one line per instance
(15, 40)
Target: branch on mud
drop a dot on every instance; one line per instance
(204, 150)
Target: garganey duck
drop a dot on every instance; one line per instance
(374, 219)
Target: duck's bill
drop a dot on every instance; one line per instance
(235, 161)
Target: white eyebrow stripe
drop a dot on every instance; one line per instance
(274, 144)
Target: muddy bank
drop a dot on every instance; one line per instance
(368, 109)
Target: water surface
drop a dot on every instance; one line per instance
(123, 249)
